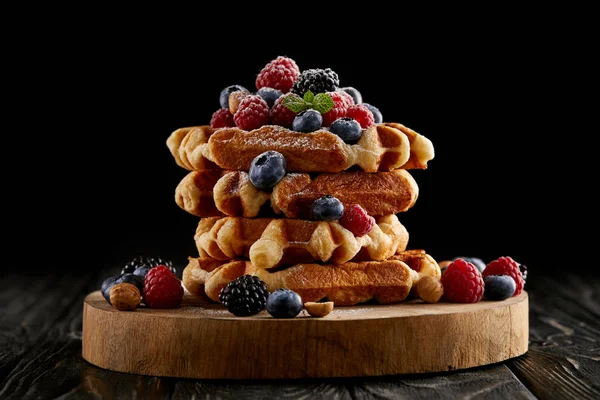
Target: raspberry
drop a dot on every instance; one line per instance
(506, 266)
(252, 113)
(347, 97)
(362, 114)
(162, 289)
(221, 118)
(280, 114)
(280, 74)
(340, 107)
(462, 282)
(356, 220)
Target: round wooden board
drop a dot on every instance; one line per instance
(201, 340)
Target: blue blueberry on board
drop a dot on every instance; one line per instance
(327, 208)
(499, 287)
(307, 121)
(354, 93)
(136, 280)
(267, 169)
(106, 285)
(376, 113)
(348, 129)
(477, 262)
(284, 303)
(224, 97)
(142, 271)
(269, 95)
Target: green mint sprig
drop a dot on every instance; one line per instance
(322, 102)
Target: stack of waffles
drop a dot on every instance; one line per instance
(272, 233)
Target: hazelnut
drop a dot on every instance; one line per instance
(318, 309)
(235, 98)
(125, 297)
(430, 289)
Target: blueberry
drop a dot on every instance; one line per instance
(284, 303)
(499, 287)
(133, 279)
(106, 285)
(269, 95)
(354, 93)
(267, 169)
(142, 271)
(307, 121)
(348, 129)
(224, 97)
(477, 262)
(376, 113)
(327, 208)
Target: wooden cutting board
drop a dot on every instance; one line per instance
(202, 340)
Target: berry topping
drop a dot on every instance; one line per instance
(106, 285)
(317, 81)
(222, 118)
(348, 98)
(356, 220)
(327, 208)
(307, 121)
(280, 114)
(280, 74)
(252, 113)
(523, 269)
(235, 98)
(347, 129)
(499, 287)
(355, 94)
(462, 282)
(141, 261)
(162, 289)
(269, 95)
(267, 169)
(340, 107)
(284, 303)
(376, 113)
(506, 266)
(362, 114)
(477, 262)
(224, 97)
(244, 296)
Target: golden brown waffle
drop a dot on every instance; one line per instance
(381, 148)
(231, 193)
(388, 281)
(274, 242)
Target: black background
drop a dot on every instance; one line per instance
(102, 190)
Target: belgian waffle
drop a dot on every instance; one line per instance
(388, 281)
(382, 147)
(210, 193)
(274, 242)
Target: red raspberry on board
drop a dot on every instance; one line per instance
(347, 97)
(506, 266)
(362, 114)
(280, 114)
(162, 289)
(221, 118)
(252, 113)
(279, 74)
(462, 282)
(340, 106)
(356, 220)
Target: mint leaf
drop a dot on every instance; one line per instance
(295, 103)
(309, 96)
(322, 103)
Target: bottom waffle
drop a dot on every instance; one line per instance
(389, 281)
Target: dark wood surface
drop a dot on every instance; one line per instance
(40, 353)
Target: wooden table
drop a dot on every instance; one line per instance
(40, 353)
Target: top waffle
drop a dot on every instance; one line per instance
(382, 147)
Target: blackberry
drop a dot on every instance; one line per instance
(317, 81)
(148, 262)
(244, 296)
(523, 269)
